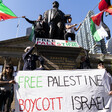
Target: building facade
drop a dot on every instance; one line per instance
(85, 39)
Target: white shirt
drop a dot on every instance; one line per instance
(70, 30)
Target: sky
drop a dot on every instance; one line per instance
(32, 8)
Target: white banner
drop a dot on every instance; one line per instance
(55, 42)
(63, 91)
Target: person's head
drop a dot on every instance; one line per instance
(100, 65)
(27, 49)
(40, 17)
(69, 19)
(55, 4)
(8, 70)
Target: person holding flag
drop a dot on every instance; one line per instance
(70, 28)
(38, 27)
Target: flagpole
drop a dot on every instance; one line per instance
(95, 7)
(18, 27)
(92, 10)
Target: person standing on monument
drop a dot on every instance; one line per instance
(30, 59)
(39, 27)
(70, 28)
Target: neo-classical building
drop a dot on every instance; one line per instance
(11, 51)
(65, 58)
(85, 39)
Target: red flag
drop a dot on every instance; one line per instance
(97, 18)
(104, 4)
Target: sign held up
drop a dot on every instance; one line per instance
(63, 91)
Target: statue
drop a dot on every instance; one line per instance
(56, 21)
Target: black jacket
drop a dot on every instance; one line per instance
(30, 60)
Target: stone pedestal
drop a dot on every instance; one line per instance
(59, 57)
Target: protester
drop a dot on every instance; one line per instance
(39, 26)
(101, 66)
(70, 28)
(6, 88)
(30, 59)
(85, 63)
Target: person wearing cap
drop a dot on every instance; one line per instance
(55, 19)
(30, 59)
(70, 28)
(6, 88)
(39, 26)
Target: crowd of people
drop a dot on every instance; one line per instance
(7, 78)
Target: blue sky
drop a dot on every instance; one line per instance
(32, 8)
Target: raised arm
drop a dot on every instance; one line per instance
(29, 52)
(8, 82)
(30, 21)
(70, 26)
(76, 29)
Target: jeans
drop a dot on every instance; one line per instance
(72, 35)
(6, 98)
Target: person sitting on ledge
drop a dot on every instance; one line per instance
(85, 63)
(30, 59)
(70, 28)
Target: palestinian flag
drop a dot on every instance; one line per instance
(98, 28)
(5, 12)
(104, 4)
